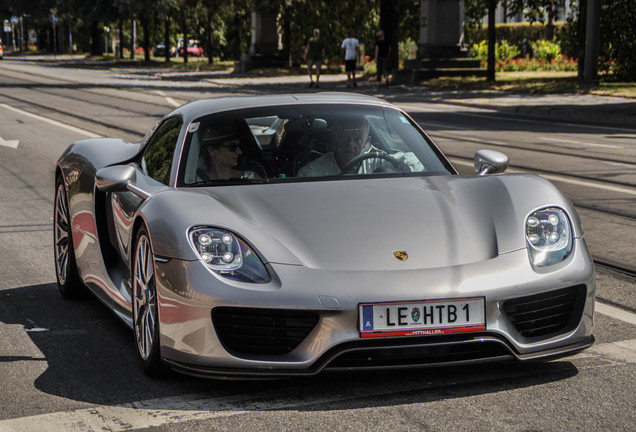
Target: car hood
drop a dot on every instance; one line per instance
(438, 221)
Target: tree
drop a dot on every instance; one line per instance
(389, 23)
(474, 11)
(537, 11)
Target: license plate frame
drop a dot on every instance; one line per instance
(411, 318)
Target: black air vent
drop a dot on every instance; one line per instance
(262, 331)
(425, 354)
(546, 313)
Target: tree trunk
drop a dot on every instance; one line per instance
(549, 28)
(184, 28)
(208, 37)
(490, 73)
(166, 38)
(133, 37)
(581, 40)
(145, 24)
(96, 39)
(390, 25)
(122, 42)
(287, 37)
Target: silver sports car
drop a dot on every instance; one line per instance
(286, 235)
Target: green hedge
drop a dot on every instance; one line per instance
(519, 34)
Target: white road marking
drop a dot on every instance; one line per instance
(578, 142)
(623, 350)
(620, 164)
(164, 411)
(9, 143)
(441, 125)
(563, 179)
(419, 107)
(168, 99)
(589, 184)
(615, 312)
(51, 121)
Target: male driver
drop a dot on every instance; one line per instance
(314, 55)
(350, 134)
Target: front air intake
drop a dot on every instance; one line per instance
(546, 313)
(256, 331)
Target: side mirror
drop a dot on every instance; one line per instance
(490, 162)
(118, 178)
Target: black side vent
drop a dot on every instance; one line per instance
(546, 313)
(262, 331)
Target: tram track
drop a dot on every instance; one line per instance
(83, 118)
(82, 88)
(622, 162)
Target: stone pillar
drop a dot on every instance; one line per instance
(264, 34)
(441, 28)
(263, 50)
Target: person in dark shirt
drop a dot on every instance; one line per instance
(314, 54)
(382, 53)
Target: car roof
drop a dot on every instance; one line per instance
(196, 109)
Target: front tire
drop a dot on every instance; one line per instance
(68, 280)
(145, 307)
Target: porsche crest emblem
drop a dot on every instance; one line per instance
(401, 255)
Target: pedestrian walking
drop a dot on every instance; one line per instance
(382, 53)
(350, 51)
(314, 55)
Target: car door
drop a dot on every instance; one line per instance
(153, 167)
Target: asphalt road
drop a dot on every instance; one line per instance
(69, 365)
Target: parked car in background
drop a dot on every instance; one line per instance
(194, 48)
(160, 50)
(1, 50)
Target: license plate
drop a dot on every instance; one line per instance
(425, 317)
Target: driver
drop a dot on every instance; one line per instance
(351, 135)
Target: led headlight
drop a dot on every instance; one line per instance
(227, 255)
(548, 236)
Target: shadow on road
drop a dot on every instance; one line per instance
(90, 358)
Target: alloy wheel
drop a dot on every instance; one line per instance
(145, 298)
(61, 232)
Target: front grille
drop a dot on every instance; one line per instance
(262, 331)
(546, 313)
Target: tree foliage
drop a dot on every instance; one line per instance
(617, 29)
(223, 26)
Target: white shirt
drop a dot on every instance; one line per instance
(350, 45)
(325, 165)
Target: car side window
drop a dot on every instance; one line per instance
(157, 158)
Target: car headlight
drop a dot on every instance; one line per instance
(227, 255)
(549, 236)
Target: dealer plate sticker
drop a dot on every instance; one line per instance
(425, 317)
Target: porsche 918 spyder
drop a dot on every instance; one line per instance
(291, 234)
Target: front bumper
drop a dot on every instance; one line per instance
(191, 343)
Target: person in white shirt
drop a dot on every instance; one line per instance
(350, 136)
(350, 51)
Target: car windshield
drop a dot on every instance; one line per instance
(306, 143)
